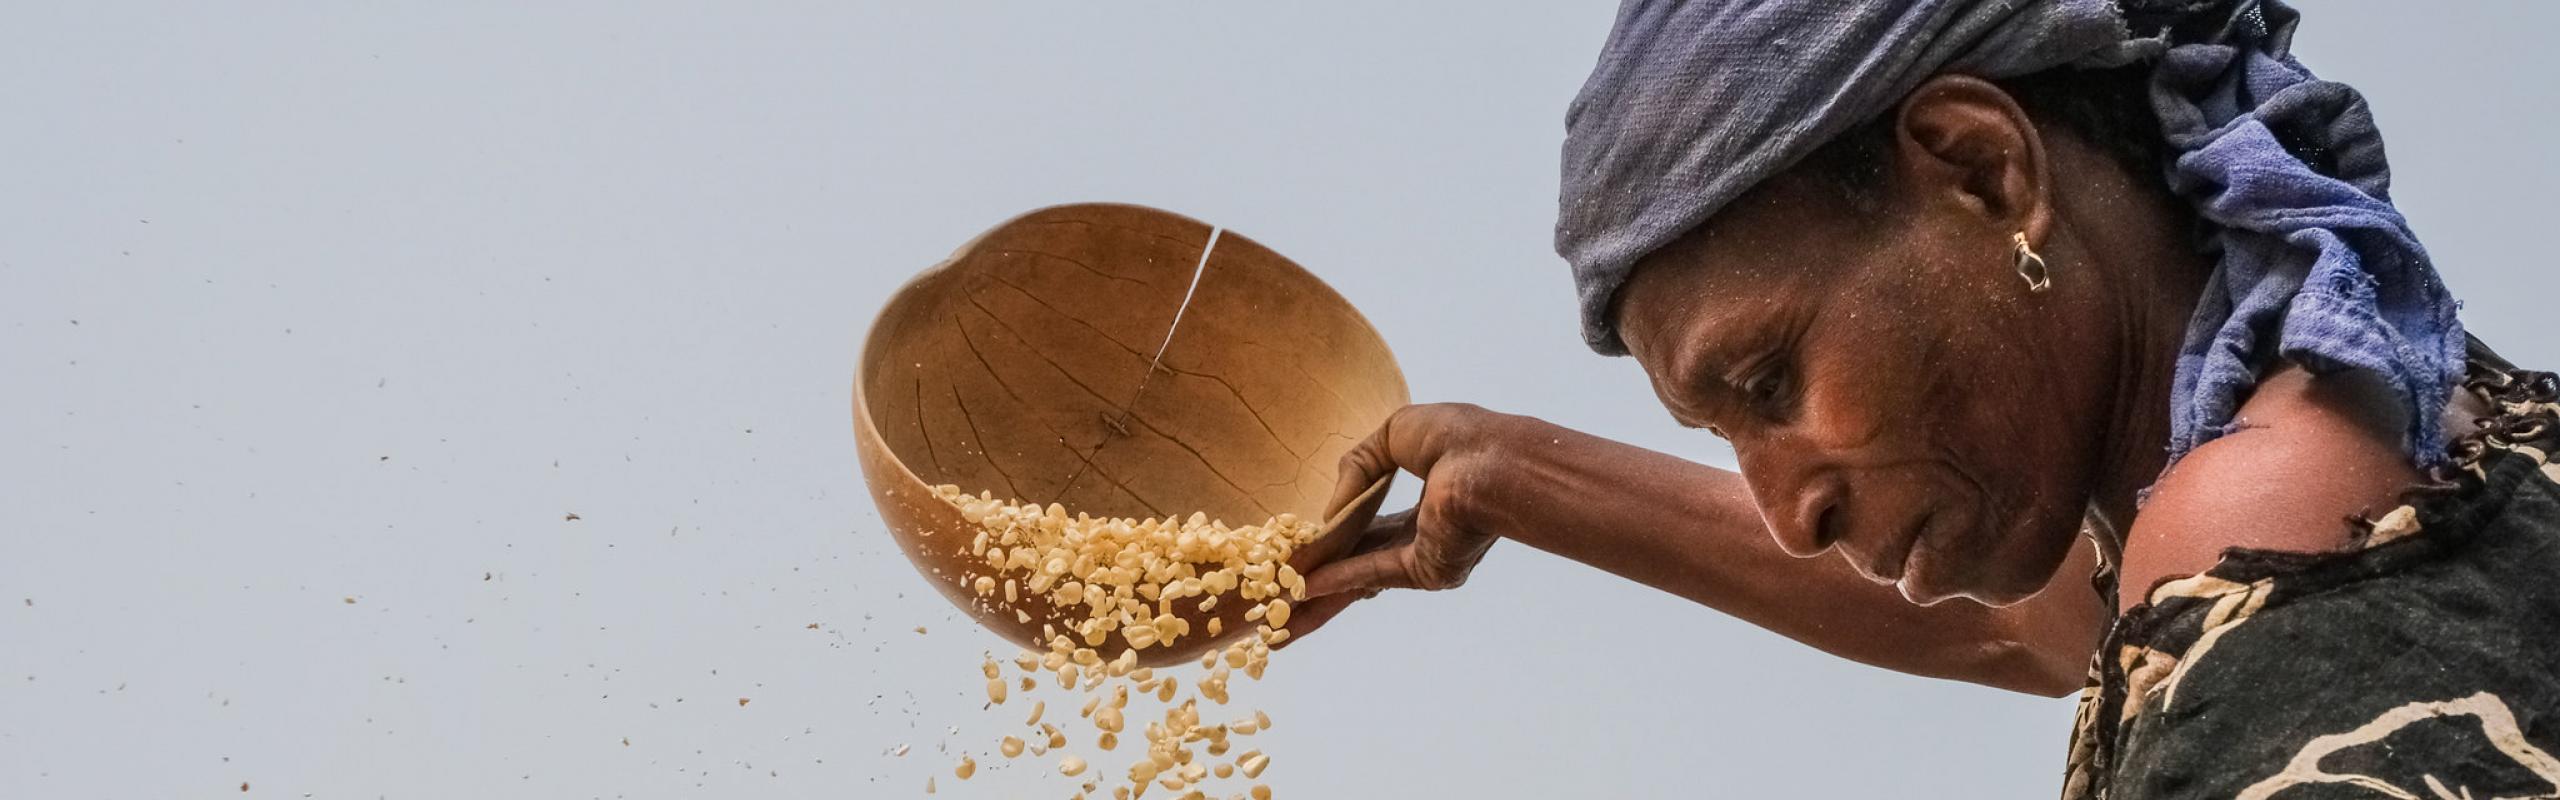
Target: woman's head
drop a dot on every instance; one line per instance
(1725, 212)
(1893, 387)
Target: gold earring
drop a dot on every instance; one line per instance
(2031, 266)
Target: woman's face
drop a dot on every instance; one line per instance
(1890, 385)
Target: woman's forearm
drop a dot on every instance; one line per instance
(1694, 531)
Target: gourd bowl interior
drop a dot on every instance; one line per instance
(1090, 356)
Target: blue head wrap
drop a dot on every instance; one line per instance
(1693, 103)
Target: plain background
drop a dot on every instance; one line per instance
(309, 304)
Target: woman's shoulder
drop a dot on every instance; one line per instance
(2309, 453)
(2422, 657)
(2415, 655)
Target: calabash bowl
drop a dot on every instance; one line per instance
(1120, 361)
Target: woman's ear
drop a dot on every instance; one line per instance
(1962, 141)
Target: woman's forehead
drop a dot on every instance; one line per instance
(1674, 313)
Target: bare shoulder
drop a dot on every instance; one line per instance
(2308, 452)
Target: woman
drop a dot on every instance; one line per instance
(1999, 300)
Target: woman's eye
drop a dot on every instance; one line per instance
(1766, 388)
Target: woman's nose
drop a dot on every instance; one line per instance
(1813, 522)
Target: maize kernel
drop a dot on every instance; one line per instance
(1102, 580)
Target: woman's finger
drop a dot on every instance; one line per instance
(1409, 440)
(1367, 461)
(1387, 530)
(1387, 568)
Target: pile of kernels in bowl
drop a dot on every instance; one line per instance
(1127, 575)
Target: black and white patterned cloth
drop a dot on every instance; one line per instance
(2423, 665)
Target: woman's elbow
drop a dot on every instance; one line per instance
(2027, 668)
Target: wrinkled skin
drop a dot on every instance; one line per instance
(1893, 389)
(1898, 396)
(1896, 392)
(1891, 385)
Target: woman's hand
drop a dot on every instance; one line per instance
(1685, 528)
(1453, 447)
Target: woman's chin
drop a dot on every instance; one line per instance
(1929, 579)
(1924, 579)
(1918, 588)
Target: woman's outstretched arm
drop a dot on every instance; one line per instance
(1684, 528)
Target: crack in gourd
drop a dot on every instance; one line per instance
(1087, 267)
(1328, 388)
(1087, 459)
(1204, 461)
(926, 433)
(1069, 374)
(1090, 461)
(1133, 494)
(1116, 420)
(1151, 234)
(971, 342)
(972, 419)
(1029, 295)
(1129, 409)
(1119, 423)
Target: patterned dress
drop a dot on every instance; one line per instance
(2422, 665)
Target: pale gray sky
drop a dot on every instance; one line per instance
(307, 302)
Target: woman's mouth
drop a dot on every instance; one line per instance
(1890, 562)
(1923, 578)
